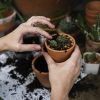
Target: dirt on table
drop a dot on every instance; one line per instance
(87, 89)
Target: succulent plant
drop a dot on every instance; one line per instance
(53, 43)
(61, 42)
(90, 57)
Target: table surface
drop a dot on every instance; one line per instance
(18, 82)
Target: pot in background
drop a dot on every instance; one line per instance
(48, 8)
(40, 68)
(8, 22)
(92, 9)
(61, 55)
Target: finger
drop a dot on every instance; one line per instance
(38, 17)
(75, 55)
(28, 47)
(34, 30)
(44, 22)
(49, 60)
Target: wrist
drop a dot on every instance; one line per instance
(3, 44)
(59, 94)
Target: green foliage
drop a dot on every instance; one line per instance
(66, 25)
(61, 42)
(4, 5)
(90, 57)
(93, 32)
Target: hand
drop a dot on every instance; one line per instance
(14, 40)
(63, 75)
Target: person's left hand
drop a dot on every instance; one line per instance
(14, 40)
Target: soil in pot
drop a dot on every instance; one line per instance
(60, 42)
(41, 61)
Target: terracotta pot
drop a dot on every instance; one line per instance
(61, 55)
(93, 5)
(92, 9)
(8, 22)
(92, 45)
(49, 8)
(40, 68)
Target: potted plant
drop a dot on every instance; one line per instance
(92, 34)
(7, 15)
(91, 62)
(40, 68)
(60, 47)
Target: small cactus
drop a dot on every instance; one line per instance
(53, 43)
(90, 57)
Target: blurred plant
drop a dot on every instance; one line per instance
(93, 32)
(4, 6)
(67, 25)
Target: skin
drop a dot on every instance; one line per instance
(67, 71)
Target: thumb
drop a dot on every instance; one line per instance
(49, 60)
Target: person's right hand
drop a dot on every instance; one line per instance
(63, 75)
(14, 40)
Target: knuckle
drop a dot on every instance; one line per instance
(18, 48)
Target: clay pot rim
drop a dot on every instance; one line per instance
(33, 66)
(7, 19)
(92, 3)
(74, 43)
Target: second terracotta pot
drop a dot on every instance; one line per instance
(40, 68)
(61, 55)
